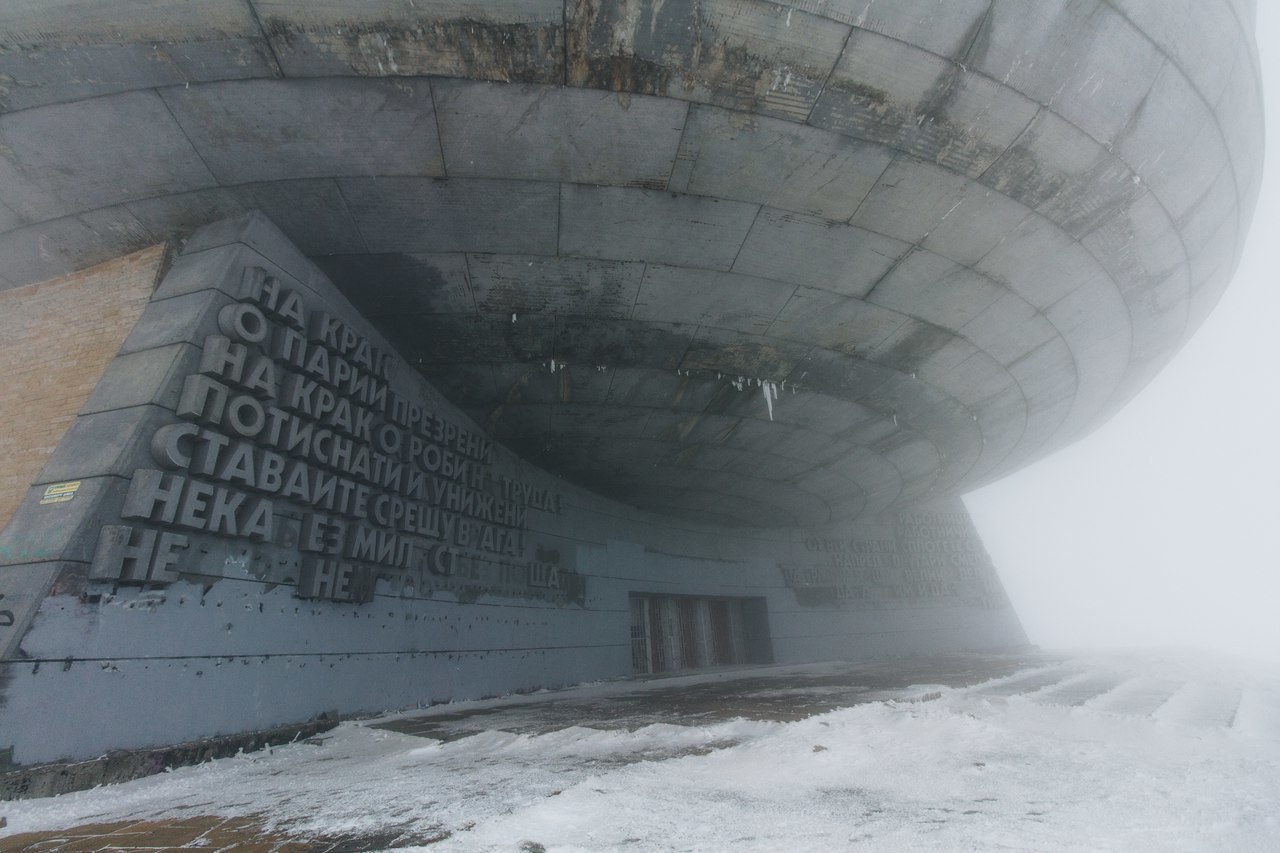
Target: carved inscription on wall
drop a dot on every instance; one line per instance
(298, 440)
(923, 559)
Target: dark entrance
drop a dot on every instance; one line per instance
(677, 632)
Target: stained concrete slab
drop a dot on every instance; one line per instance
(788, 166)
(461, 215)
(492, 130)
(816, 252)
(642, 225)
(249, 131)
(921, 104)
(609, 168)
(51, 168)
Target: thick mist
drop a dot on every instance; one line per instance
(1160, 529)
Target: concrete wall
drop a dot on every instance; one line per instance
(196, 593)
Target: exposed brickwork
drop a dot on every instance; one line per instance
(56, 338)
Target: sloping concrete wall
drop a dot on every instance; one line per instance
(201, 588)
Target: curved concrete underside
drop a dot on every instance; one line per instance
(950, 235)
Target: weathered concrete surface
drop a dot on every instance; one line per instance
(371, 548)
(954, 235)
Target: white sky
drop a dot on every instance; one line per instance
(1163, 527)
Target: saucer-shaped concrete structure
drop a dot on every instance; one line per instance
(734, 264)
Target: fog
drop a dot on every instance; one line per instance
(1160, 528)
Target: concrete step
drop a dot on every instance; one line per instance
(1078, 691)
(1201, 704)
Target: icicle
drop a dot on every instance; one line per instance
(770, 394)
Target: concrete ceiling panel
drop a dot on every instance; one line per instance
(909, 346)
(68, 158)
(933, 288)
(975, 224)
(506, 40)
(493, 130)
(812, 410)
(835, 375)
(534, 284)
(1240, 114)
(870, 433)
(66, 50)
(445, 338)
(777, 469)
(1064, 174)
(1008, 329)
(605, 420)
(264, 130)
(1039, 262)
(919, 103)
(390, 284)
(1206, 293)
(418, 215)
(1105, 370)
(1195, 35)
(55, 248)
(643, 225)
(817, 253)
(1139, 249)
(1201, 228)
(611, 344)
(748, 435)
(910, 198)
(708, 298)
(1093, 312)
(1043, 423)
(777, 163)
(9, 220)
(827, 485)
(1002, 421)
(677, 394)
(1218, 255)
(476, 383)
(311, 213)
(749, 356)
(835, 322)
(919, 464)
(580, 384)
(944, 27)
(811, 446)
(976, 378)
(1174, 143)
(1047, 375)
(1077, 57)
(753, 57)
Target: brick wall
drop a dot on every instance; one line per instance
(56, 338)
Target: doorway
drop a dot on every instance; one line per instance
(670, 633)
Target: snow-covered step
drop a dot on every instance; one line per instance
(1139, 697)
(1077, 691)
(1259, 714)
(1028, 682)
(1201, 704)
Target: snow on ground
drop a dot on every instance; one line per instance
(1116, 752)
